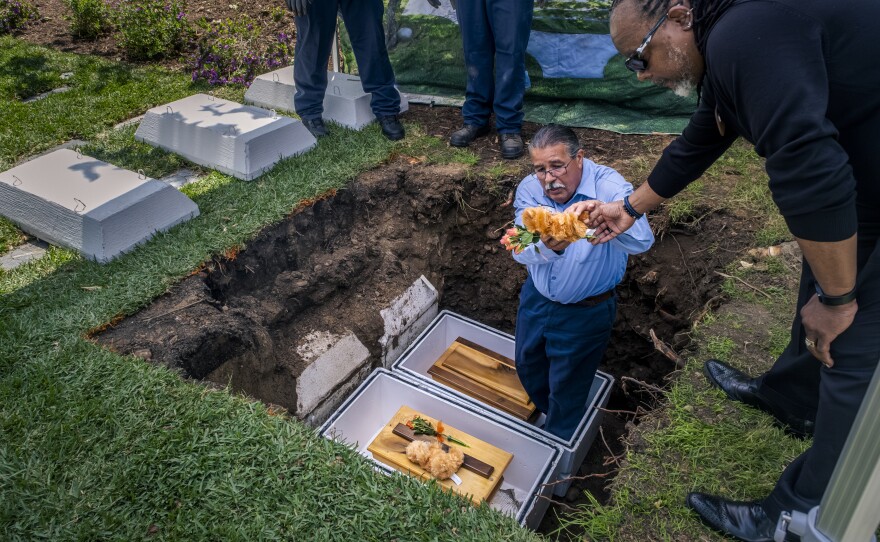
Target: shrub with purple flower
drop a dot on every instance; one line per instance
(16, 14)
(229, 52)
(151, 28)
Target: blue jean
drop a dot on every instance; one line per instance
(558, 350)
(314, 42)
(495, 34)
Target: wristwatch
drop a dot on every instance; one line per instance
(835, 300)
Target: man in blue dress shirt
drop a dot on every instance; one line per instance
(567, 304)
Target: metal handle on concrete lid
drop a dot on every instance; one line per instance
(275, 77)
(336, 90)
(16, 181)
(141, 174)
(274, 114)
(79, 202)
(211, 95)
(168, 109)
(78, 151)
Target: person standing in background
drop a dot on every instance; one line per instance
(315, 27)
(495, 34)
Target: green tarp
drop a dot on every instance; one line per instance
(577, 79)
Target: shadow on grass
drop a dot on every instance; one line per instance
(28, 73)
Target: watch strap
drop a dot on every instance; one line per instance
(835, 300)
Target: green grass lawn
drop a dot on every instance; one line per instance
(94, 446)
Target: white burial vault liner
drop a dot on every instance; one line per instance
(240, 140)
(374, 403)
(345, 101)
(88, 205)
(445, 329)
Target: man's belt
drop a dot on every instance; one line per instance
(594, 300)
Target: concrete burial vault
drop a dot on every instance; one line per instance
(240, 140)
(345, 101)
(88, 205)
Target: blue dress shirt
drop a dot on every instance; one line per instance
(582, 270)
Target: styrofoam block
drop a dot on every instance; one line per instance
(345, 101)
(331, 402)
(240, 140)
(406, 317)
(88, 205)
(331, 359)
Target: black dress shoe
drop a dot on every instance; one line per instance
(316, 127)
(392, 128)
(745, 520)
(511, 146)
(467, 134)
(740, 387)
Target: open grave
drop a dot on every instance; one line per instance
(335, 263)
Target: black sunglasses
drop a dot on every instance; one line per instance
(636, 63)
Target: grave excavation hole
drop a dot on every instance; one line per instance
(334, 265)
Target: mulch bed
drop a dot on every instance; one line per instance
(53, 29)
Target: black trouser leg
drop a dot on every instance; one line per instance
(856, 353)
(314, 40)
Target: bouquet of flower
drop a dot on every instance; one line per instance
(518, 239)
(421, 426)
(538, 221)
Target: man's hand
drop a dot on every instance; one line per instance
(609, 219)
(299, 7)
(554, 244)
(823, 324)
(589, 206)
(434, 3)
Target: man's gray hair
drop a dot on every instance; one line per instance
(554, 134)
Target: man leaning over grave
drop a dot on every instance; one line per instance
(789, 76)
(567, 304)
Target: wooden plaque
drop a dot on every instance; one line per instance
(390, 449)
(484, 375)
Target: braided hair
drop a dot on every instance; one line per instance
(706, 13)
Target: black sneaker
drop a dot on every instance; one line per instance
(511, 146)
(315, 126)
(467, 134)
(392, 128)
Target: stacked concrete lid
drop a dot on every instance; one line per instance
(345, 101)
(88, 205)
(240, 140)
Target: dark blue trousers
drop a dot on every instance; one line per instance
(314, 42)
(495, 34)
(798, 383)
(558, 350)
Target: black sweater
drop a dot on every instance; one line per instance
(800, 79)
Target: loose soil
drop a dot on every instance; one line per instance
(334, 264)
